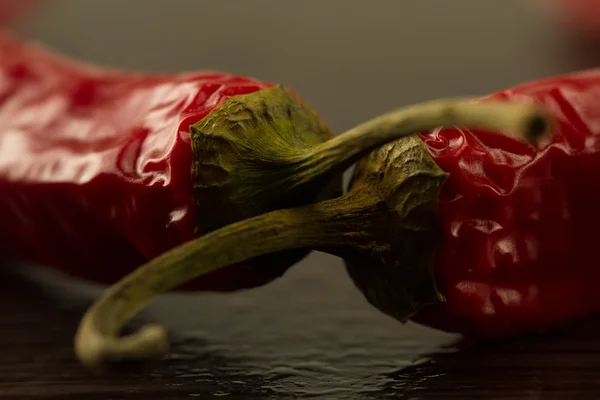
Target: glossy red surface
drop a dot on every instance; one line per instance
(520, 225)
(95, 164)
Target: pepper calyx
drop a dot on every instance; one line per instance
(249, 153)
(394, 268)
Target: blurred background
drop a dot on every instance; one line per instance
(350, 59)
(310, 333)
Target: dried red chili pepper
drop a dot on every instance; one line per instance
(95, 169)
(519, 224)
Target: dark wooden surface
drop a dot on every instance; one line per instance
(310, 334)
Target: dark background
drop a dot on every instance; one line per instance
(311, 333)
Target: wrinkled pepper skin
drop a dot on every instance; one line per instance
(95, 164)
(520, 225)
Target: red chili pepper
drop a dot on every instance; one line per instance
(517, 225)
(95, 169)
(518, 249)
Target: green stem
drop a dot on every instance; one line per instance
(97, 340)
(518, 120)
